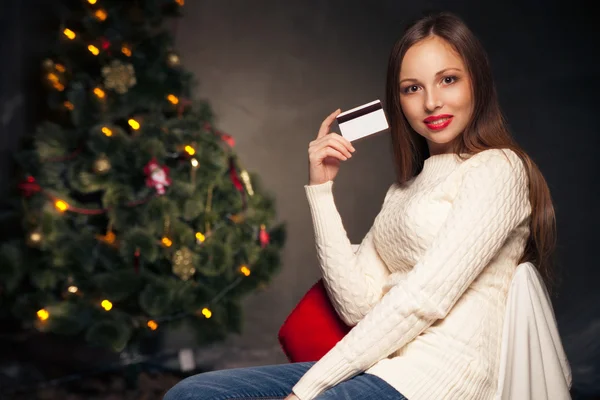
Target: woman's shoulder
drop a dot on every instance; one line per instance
(497, 158)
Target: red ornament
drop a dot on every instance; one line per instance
(235, 179)
(263, 236)
(29, 187)
(105, 44)
(157, 176)
(228, 139)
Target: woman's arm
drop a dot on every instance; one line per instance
(493, 200)
(353, 281)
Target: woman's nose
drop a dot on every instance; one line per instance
(432, 101)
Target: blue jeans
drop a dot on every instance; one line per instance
(274, 382)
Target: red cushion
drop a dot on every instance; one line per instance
(312, 328)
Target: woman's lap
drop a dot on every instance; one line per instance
(274, 382)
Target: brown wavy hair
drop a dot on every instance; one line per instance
(487, 129)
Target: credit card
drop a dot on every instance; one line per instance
(362, 121)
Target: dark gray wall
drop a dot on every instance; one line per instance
(272, 70)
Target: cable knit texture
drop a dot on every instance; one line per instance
(426, 290)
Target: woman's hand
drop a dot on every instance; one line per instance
(326, 151)
(292, 397)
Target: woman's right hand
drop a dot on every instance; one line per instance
(326, 152)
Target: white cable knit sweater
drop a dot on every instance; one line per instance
(426, 290)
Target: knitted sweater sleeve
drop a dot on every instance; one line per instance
(492, 200)
(353, 281)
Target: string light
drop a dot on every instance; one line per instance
(107, 132)
(200, 237)
(173, 99)
(43, 314)
(35, 237)
(206, 312)
(107, 305)
(244, 270)
(99, 93)
(60, 67)
(152, 325)
(190, 150)
(72, 289)
(194, 163)
(101, 14)
(180, 2)
(166, 241)
(59, 86)
(68, 105)
(61, 205)
(52, 77)
(133, 124)
(69, 33)
(92, 2)
(125, 49)
(93, 49)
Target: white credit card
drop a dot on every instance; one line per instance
(362, 121)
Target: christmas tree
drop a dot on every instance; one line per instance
(136, 212)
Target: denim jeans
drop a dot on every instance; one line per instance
(274, 382)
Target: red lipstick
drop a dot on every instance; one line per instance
(431, 122)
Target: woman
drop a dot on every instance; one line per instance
(426, 291)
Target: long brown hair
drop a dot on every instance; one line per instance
(487, 128)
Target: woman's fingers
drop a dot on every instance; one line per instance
(326, 124)
(332, 140)
(318, 155)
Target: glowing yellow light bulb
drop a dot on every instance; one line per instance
(107, 305)
(43, 314)
(52, 77)
(61, 205)
(92, 1)
(60, 67)
(68, 105)
(244, 270)
(101, 14)
(190, 150)
(59, 86)
(133, 124)
(35, 237)
(206, 312)
(200, 237)
(173, 99)
(99, 93)
(93, 49)
(72, 289)
(152, 325)
(107, 131)
(125, 49)
(69, 33)
(166, 241)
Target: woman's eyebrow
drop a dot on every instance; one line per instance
(436, 74)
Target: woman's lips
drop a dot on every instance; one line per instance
(439, 124)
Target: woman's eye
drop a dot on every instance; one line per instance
(450, 79)
(410, 89)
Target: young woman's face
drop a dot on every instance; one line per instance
(435, 92)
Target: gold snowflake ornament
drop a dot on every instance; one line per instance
(119, 76)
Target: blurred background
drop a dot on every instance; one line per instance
(272, 70)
